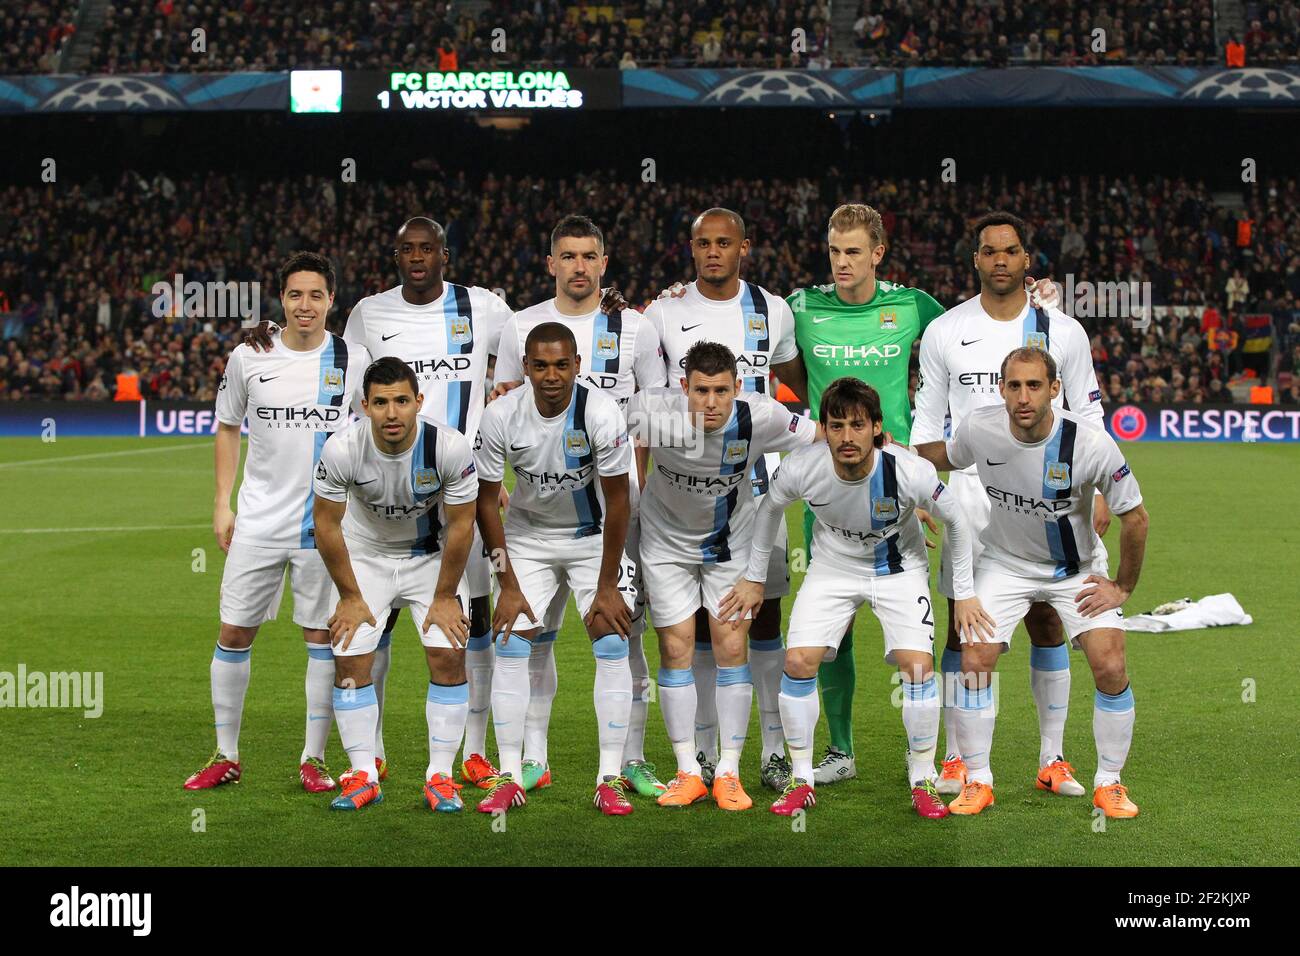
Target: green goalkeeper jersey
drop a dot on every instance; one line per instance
(872, 341)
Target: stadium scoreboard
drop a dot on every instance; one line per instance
(422, 91)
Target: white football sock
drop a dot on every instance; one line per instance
(735, 698)
(921, 724)
(767, 662)
(510, 692)
(320, 700)
(478, 672)
(950, 663)
(677, 699)
(1049, 677)
(543, 681)
(445, 707)
(356, 711)
(634, 749)
(975, 719)
(229, 675)
(799, 710)
(613, 697)
(1112, 730)
(379, 674)
(706, 702)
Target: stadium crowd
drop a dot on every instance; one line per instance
(144, 37)
(32, 34)
(77, 265)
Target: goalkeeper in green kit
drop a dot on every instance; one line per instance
(865, 327)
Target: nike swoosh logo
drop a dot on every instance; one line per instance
(365, 482)
(227, 724)
(921, 740)
(734, 737)
(819, 319)
(318, 716)
(687, 328)
(1054, 707)
(267, 378)
(385, 338)
(443, 740)
(614, 726)
(514, 447)
(972, 756)
(818, 504)
(480, 710)
(777, 727)
(971, 342)
(994, 463)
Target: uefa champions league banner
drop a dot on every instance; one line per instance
(947, 87)
(161, 93)
(1187, 422)
(811, 88)
(40, 420)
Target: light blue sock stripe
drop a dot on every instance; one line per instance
(546, 637)
(345, 698)
(384, 640)
(517, 646)
(675, 677)
(927, 690)
(976, 699)
(734, 675)
(232, 656)
(1117, 703)
(479, 642)
(773, 644)
(798, 686)
(1050, 658)
(951, 661)
(448, 693)
(611, 647)
(320, 652)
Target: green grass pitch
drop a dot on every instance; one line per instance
(1207, 767)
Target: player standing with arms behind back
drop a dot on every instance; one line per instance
(961, 354)
(1039, 467)
(295, 395)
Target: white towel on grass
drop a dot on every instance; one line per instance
(1215, 610)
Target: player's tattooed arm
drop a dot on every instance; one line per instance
(511, 603)
(1103, 593)
(445, 611)
(226, 466)
(352, 611)
(936, 453)
(794, 376)
(609, 613)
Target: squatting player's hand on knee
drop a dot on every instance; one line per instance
(510, 605)
(348, 616)
(609, 614)
(744, 598)
(1103, 596)
(973, 620)
(451, 620)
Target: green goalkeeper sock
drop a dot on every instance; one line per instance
(837, 679)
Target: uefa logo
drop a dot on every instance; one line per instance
(1128, 423)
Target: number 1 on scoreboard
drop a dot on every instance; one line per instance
(383, 99)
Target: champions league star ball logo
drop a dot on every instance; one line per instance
(113, 93)
(1250, 84)
(775, 88)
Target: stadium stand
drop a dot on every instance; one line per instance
(76, 319)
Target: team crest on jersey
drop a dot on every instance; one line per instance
(575, 442)
(606, 346)
(460, 331)
(1036, 340)
(884, 509)
(331, 381)
(756, 325)
(888, 319)
(736, 451)
(426, 481)
(1057, 475)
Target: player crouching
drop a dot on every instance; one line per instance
(868, 548)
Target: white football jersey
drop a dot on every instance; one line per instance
(293, 402)
(395, 502)
(1040, 524)
(961, 364)
(620, 352)
(556, 461)
(446, 342)
(756, 325)
(696, 507)
(864, 527)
